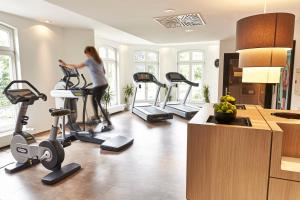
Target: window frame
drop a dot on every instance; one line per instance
(146, 62)
(190, 63)
(12, 52)
(10, 31)
(116, 63)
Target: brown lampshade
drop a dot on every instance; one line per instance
(263, 40)
(265, 31)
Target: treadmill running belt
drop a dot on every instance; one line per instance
(151, 110)
(184, 108)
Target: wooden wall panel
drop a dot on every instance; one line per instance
(284, 190)
(227, 163)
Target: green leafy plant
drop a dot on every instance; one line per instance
(170, 97)
(107, 98)
(4, 79)
(206, 93)
(128, 92)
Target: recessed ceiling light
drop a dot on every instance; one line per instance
(169, 10)
(189, 30)
(48, 21)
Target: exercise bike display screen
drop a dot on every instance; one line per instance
(20, 92)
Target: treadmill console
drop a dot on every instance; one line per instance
(143, 77)
(175, 77)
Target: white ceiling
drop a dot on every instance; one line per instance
(42, 10)
(132, 20)
(136, 16)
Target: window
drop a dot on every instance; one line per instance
(190, 65)
(109, 57)
(146, 61)
(7, 74)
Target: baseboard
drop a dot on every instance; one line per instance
(116, 108)
(5, 140)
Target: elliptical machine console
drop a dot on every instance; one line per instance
(49, 152)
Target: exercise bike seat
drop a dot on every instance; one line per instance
(59, 112)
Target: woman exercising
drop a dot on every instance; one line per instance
(97, 74)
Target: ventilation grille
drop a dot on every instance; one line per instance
(186, 20)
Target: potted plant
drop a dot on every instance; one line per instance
(106, 99)
(206, 93)
(170, 97)
(128, 92)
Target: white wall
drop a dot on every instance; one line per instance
(167, 61)
(75, 41)
(40, 46)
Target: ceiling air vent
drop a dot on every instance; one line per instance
(185, 20)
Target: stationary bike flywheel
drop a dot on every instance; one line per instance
(19, 153)
(57, 154)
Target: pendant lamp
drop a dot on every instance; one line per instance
(263, 40)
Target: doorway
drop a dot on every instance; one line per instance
(245, 93)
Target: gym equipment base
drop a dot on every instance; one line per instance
(116, 144)
(16, 167)
(65, 171)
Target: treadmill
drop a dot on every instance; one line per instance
(67, 93)
(180, 109)
(149, 112)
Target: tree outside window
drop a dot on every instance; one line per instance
(147, 61)
(7, 74)
(190, 65)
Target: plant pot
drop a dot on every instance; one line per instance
(225, 118)
(126, 108)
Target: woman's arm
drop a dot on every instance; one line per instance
(72, 66)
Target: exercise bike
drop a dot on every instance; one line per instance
(49, 152)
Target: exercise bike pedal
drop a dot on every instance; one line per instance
(16, 167)
(64, 142)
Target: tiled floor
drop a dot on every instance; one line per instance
(153, 168)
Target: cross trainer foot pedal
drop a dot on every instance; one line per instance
(117, 143)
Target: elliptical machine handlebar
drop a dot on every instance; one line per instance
(85, 85)
(38, 93)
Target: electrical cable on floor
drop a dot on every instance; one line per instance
(6, 165)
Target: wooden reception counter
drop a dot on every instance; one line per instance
(242, 162)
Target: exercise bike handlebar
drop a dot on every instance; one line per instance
(38, 93)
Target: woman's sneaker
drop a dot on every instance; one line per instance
(106, 128)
